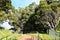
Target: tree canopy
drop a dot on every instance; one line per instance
(33, 17)
(5, 5)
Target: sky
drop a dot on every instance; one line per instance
(23, 3)
(6, 25)
(16, 4)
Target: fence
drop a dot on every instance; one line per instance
(54, 34)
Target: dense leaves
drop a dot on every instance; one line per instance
(36, 17)
(19, 17)
(3, 16)
(46, 16)
(58, 28)
(33, 17)
(5, 5)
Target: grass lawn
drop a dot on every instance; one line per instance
(7, 34)
(4, 33)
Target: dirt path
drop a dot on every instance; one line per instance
(28, 37)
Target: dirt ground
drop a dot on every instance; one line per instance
(28, 37)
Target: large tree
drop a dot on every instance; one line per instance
(5, 5)
(19, 17)
(49, 13)
(46, 16)
(36, 17)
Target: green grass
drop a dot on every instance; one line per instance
(4, 33)
(14, 36)
(45, 37)
(9, 35)
(57, 31)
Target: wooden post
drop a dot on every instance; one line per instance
(55, 32)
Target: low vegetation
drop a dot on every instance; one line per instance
(34, 17)
(7, 34)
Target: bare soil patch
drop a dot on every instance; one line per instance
(28, 37)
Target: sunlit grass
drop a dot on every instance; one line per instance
(13, 36)
(45, 37)
(57, 30)
(7, 34)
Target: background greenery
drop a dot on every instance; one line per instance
(34, 17)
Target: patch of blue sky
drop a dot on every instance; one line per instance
(23, 3)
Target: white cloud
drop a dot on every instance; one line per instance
(6, 25)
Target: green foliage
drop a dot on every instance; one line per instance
(46, 16)
(42, 16)
(4, 33)
(7, 34)
(46, 10)
(3, 16)
(1, 27)
(5, 5)
(58, 28)
(19, 17)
